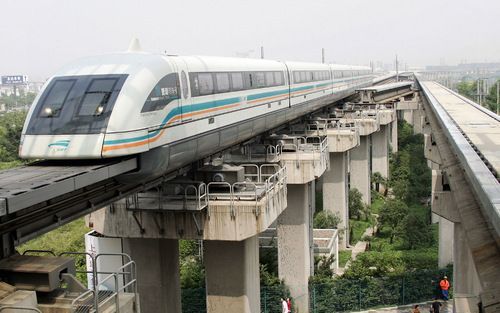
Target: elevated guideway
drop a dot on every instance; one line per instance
(41, 196)
(463, 145)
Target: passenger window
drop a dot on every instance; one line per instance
(163, 93)
(296, 77)
(237, 81)
(278, 78)
(55, 99)
(303, 77)
(96, 97)
(269, 79)
(222, 82)
(259, 80)
(206, 83)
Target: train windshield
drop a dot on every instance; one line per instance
(76, 105)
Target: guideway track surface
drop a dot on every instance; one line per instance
(39, 197)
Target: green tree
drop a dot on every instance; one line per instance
(326, 220)
(11, 125)
(356, 205)
(392, 215)
(416, 232)
(377, 180)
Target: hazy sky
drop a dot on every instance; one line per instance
(39, 36)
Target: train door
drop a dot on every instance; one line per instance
(288, 81)
(180, 66)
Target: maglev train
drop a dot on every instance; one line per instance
(173, 110)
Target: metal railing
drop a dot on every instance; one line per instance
(261, 186)
(19, 308)
(189, 196)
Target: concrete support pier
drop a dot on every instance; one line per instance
(360, 168)
(157, 263)
(295, 250)
(394, 136)
(336, 193)
(446, 235)
(465, 277)
(380, 151)
(232, 276)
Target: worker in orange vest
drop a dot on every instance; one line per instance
(444, 284)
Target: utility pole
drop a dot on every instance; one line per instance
(261, 52)
(323, 55)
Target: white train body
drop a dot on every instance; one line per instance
(175, 108)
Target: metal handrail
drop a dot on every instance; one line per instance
(82, 296)
(256, 197)
(30, 251)
(221, 184)
(20, 308)
(250, 175)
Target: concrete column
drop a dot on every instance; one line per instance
(465, 278)
(232, 276)
(380, 151)
(336, 193)
(295, 265)
(446, 234)
(408, 116)
(158, 276)
(360, 168)
(394, 136)
(418, 121)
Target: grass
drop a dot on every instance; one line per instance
(344, 256)
(377, 203)
(358, 228)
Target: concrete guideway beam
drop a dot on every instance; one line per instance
(478, 236)
(157, 265)
(360, 169)
(336, 193)
(295, 246)
(232, 276)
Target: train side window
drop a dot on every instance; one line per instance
(296, 77)
(55, 99)
(222, 82)
(278, 78)
(237, 81)
(166, 91)
(206, 83)
(270, 79)
(96, 96)
(248, 80)
(260, 80)
(303, 77)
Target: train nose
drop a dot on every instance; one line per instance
(61, 146)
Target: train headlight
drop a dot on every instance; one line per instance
(48, 111)
(99, 110)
